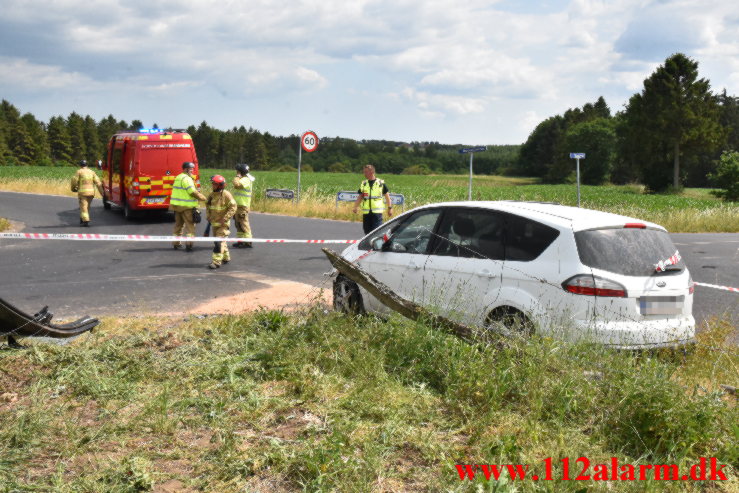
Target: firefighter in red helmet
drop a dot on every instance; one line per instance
(220, 208)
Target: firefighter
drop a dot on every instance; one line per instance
(242, 193)
(220, 208)
(84, 183)
(184, 203)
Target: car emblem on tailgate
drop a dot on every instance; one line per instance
(661, 284)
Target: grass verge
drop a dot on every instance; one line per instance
(320, 402)
(4, 224)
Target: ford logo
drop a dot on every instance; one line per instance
(661, 284)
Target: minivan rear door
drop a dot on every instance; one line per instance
(463, 272)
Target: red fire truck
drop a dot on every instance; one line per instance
(140, 168)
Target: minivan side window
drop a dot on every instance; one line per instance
(526, 239)
(471, 233)
(409, 235)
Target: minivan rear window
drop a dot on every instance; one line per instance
(626, 251)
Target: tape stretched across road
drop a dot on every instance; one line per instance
(714, 286)
(103, 237)
(208, 239)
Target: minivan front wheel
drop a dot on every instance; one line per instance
(347, 298)
(508, 320)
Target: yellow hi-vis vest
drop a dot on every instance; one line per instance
(372, 197)
(242, 191)
(183, 190)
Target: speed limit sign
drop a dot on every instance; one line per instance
(309, 141)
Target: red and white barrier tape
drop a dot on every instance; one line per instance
(104, 237)
(714, 286)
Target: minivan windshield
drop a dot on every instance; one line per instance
(627, 251)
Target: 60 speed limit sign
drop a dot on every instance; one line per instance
(309, 141)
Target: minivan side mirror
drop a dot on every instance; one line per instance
(377, 243)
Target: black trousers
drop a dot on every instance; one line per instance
(371, 221)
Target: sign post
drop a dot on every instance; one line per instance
(471, 151)
(577, 156)
(309, 142)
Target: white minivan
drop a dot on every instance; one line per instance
(563, 271)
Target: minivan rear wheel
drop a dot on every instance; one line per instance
(509, 320)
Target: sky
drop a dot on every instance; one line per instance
(466, 72)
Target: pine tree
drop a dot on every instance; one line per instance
(59, 142)
(76, 127)
(93, 149)
(39, 144)
(675, 116)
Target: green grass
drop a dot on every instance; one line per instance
(695, 210)
(4, 224)
(315, 401)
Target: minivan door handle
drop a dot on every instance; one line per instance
(485, 273)
(413, 265)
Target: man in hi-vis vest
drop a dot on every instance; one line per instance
(242, 193)
(373, 195)
(84, 183)
(184, 202)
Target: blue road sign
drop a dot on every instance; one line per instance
(577, 155)
(473, 149)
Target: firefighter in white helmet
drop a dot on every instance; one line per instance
(84, 183)
(220, 208)
(242, 193)
(184, 203)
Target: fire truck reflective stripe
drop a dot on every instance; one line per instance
(143, 137)
(165, 137)
(148, 238)
(714, 286)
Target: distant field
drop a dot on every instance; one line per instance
(696, 210)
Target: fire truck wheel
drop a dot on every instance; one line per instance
(127, 212)
(106, 204)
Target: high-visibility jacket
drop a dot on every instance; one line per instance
(85, 181)
(184, 193)
(372, 197)
(220, 208)
(242, 191)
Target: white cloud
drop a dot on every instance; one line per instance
(441, 58)
(20, 74)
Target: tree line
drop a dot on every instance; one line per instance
(24, 140)
(671, 134)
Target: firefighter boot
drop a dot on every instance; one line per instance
(248, 244)
(213, 266)
(85, 224)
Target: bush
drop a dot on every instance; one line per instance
(727, 176)
(417, 169)
(338, 168)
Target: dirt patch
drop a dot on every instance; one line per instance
(280, 294)
(291, 424)
(172, 486)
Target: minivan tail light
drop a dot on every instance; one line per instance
(691, 285)
(589, 285)
(635, 225)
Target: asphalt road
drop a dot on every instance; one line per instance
(105, 278)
